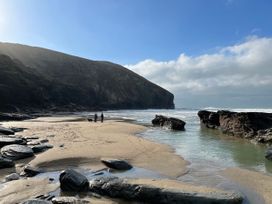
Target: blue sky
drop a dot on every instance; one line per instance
(206, 52)
(127, 31)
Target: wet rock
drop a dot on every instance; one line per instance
(41, 148)
(31, 137)
(15, 129)
(15, 152)
(6, 131)
(14, 117)
(36, 201)
(255, 126)
(117, 164)
(268, 153)
(119, 188)
(8, 140)
(30, 171)
(71, 180)
(172, 123)
(11, 177)
(68, 200)
(44, 140)
(6, 163)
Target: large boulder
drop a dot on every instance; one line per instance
(14, 117)
(15, 152)
(71, 180)
(250, 125)
(172, 123)
(146, 193)
(6, 163)
(6, 131)
(8, 140)
(117, 164)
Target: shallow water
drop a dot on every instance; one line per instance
(202, 147)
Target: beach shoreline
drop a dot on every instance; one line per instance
(81, 144)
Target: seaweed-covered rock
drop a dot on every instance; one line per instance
(117, 164)
(71, 180)
(15, 152)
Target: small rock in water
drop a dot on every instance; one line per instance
(6, 163)
(36, 201)
(30, 171)
(71, 180)
(15, 152)
(268, 153)
(11, 177)
(41, 148)
(68, 200)
(117, 164)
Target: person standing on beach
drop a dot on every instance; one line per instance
(95, 118)
(102, 117)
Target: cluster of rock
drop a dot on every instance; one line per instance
(14, 117)
(17, 147)
(255, 126)
(171, 123)
(251, 125)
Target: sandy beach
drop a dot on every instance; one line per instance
(79, 143)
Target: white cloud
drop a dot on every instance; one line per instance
(244, 69)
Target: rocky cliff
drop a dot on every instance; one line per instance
(256, 126)
(34, 78)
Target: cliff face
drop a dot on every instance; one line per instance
(39, 79)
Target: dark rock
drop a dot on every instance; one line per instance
(116, 164)
(6, 131)
(14, 117)
(71, 180)
(36, 201)
(249, 125)
(11, 177)
(44, 140)
(8, 140)
(268, 153)
(172, 123)
(119, 188)
(30, 171)
(6, 163)
(15, 129)
(68, 200)
(15, 152)
(41, 148)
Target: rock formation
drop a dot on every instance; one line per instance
(171, 123)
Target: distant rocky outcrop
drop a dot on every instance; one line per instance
(256, 126)
(34, 79)
(171, 123)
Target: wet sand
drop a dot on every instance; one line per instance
(80, 143)
(258, 182)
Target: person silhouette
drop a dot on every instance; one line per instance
(102, 117)
(95, 117)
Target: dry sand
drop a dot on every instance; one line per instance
(258, 182)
